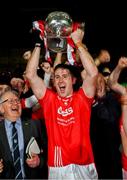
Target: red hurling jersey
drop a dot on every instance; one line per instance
(68, 125)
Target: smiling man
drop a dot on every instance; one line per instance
(11, 109)
(67, 115)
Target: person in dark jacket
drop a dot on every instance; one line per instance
(33, 167)
(105, 136)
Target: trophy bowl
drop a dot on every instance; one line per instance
(58, 26)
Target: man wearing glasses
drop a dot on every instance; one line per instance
(31, 168)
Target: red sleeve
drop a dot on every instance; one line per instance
(88, 99)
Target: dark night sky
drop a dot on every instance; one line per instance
(105, 25)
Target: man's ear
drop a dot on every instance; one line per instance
(74, 80)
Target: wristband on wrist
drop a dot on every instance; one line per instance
(37, 45)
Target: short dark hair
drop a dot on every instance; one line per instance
(65, 66)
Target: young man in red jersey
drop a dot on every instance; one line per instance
(67, 114)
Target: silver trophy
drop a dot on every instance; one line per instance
(58, 26)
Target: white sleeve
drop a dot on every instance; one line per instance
(30, 101)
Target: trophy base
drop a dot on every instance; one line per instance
(57, 44)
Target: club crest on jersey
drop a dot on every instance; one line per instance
(65, 112)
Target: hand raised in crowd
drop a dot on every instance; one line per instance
(46, 67)
(122, 63)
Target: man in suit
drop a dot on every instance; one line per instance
(31, 168)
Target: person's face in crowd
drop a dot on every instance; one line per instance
(106, 73)
(101, 88)
(104, 56)
(63, 82)
(11, 108)
(17, 83)
(45, 65)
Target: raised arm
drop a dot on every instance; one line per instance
(37, 84)
(114, 85)
(113, 78)
(89, 83)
